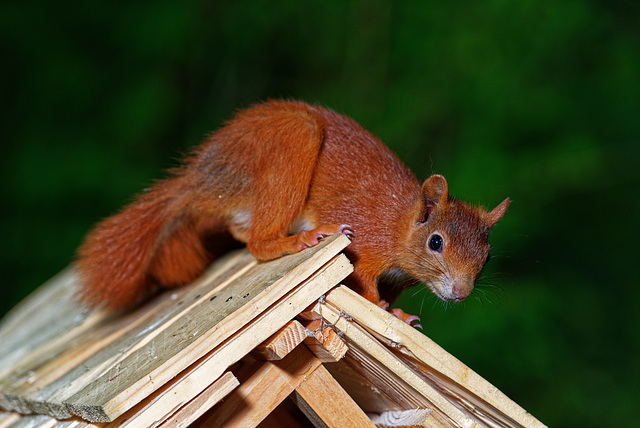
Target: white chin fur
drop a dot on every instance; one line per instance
(443, 289)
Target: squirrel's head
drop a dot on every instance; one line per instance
(448, 243)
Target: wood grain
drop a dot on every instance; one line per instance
(191, 411)
(281, 343)
(324, 342)
(39, 381)
(189, 383)
(99, 365)
(386, 372)
(326, 404)
(453, 379)
(269, 384)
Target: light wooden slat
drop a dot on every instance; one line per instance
(326, 404)
(385, 371)
(35, 421)
(470, 391)
(191, 411)
(281, 343)
(15, 420)
(8, 418)
(408, 393)
(324, 343)
(192, 381)
(270, 383)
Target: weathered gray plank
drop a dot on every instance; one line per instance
(83, 346)
(114, 363)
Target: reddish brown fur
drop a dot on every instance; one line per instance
(279, 176)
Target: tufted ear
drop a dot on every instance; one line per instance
(496, 214)
(435, 191)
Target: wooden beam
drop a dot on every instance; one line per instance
(268, 385)
(324, 342)
(281, 343)
(326, 404)
(16, 420)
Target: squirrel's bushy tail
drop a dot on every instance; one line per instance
(123, 256)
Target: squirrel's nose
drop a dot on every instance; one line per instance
(461, 289)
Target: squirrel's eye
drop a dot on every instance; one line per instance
(435, 242)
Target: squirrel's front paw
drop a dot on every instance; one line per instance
(311, 238)
(412, 320)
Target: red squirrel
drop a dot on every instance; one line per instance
(280, 176)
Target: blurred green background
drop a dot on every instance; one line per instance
(535, 100)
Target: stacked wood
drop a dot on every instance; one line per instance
(270, 344)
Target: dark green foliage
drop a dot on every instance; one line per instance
(536, 100)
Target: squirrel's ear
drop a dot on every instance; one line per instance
(435, 191)
(496, 214)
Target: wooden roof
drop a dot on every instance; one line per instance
(247, 344)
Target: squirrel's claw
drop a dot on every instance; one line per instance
(346, 230)
(399, 313)
(409, 319)
(384, 305)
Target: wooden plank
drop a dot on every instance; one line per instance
(468, 390)
(191, 411)
(35, 421)
(408, 393)
(324, 342)
(281, 343)
(167, 341)
(203, 325)
(16, 420)
(192, 381)
(269, 384)
(385, 371)
(370, 398)
(33, 331)
(71, 361)
(412, 418)
(8, 418)
(35, 320)
(326, 404)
